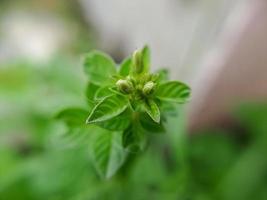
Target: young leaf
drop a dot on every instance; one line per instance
(107, 153)
(90, 91)
(170, 108)
(108, 108)
(146, 59)
(152, 110)
(151, 126)
(99, 67)
(173, 91)
(140, 62)
(73, 116)
(163, 75)
(119, 123)
(103, 92)
(125, 67)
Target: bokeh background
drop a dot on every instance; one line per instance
(215, 149)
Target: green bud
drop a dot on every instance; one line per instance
(124, 86)
(137, 62)
(148, 88)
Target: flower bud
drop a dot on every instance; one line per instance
(148, 88)
(124, 86)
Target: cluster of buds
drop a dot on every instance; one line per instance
(127, 87)
(139, 78)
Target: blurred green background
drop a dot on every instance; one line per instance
(38, 160)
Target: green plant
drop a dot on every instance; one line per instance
(125, 105)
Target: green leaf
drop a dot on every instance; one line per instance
(73, 116)
(90, 95)
(90, 91)
(108, 108)
(107, 153)
(103, 92)
(133, 138)
(151, 126)
(173, 91)
(163, 75)
(118, 123)
(125, 67)
(115, 90)
(152, 110)
(146, 59)
(99, 67)
(170, 108)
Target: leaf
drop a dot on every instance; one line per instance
(115, 90)
(90, 91)
(90, 94)
(146, 59)
(170, 108)
(78, 136)
(163, 75)
(133, 138)
(103, 92)
(125, 67)
(152, 110)
(173, 91)
(108, 108)
(107, 153)
(99, 67)
(150, 126)
(118, 123)
(73, 116)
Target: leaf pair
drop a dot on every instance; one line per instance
(105, 104)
